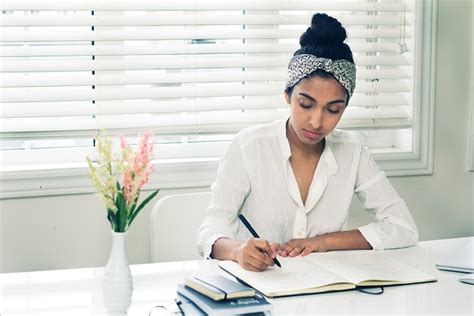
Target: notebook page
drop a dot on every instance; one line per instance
(359, 266)
(296, 274)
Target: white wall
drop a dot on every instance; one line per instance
(72, 231)
(64, 232)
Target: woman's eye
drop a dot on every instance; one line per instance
(333, 111)
(305, 106)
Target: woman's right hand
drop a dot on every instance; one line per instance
(256, 254)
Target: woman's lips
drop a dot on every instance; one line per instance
(312, 134)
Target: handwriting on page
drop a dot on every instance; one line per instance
(296, 273)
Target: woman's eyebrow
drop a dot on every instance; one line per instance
(313, 99)
(336, 101)
(307, 96)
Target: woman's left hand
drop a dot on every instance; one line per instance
(302, 246)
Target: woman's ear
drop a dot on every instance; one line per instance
(287, 98)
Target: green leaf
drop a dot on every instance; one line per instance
(142, 205)
(111, 218)
(121, 216)
(131, 210)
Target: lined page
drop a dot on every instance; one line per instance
(296, 275)
(360, 266)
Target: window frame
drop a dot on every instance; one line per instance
(200, 172)
(470, 153)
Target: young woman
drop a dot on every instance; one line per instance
(294, 179)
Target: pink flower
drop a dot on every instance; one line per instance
(123, 143)
(138, 171)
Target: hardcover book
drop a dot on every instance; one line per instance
(218, 287)
(255, 304)
(325, 272)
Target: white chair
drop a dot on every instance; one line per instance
(174, 222)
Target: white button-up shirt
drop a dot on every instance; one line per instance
(255, 178)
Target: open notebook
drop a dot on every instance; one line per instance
(324, 272)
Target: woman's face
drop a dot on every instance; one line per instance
(316, 106)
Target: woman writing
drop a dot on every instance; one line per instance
(294, 179)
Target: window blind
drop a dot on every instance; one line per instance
(187, 68)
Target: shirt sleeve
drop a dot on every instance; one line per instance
(228, 194)
(394, 226)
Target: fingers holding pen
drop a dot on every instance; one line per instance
(265, 250)
(275, 247)
(257, 254)
(270, 249)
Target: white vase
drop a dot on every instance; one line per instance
(117, 285)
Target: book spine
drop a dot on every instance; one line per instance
(217, 289)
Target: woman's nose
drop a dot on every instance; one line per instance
(316, 119)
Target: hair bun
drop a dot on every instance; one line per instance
(324, 31)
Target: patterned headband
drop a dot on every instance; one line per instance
(302, 65)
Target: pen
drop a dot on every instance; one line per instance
(254, 234)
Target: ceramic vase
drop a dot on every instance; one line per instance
(117, 284)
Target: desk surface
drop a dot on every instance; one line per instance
(75, 291)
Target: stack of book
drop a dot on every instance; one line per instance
(218, 295)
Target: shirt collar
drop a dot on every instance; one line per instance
(328, 156)
(284, 144)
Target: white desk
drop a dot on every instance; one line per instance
(74, 292)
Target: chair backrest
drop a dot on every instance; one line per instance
(174, 222)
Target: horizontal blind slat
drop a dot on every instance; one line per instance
(124, 93)
(362, 124)
(106, 19)
(202, 5)
(186, 122)
(180, 34)
(172, 49)
(84, 108)
(160, 77)
(178, 62)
